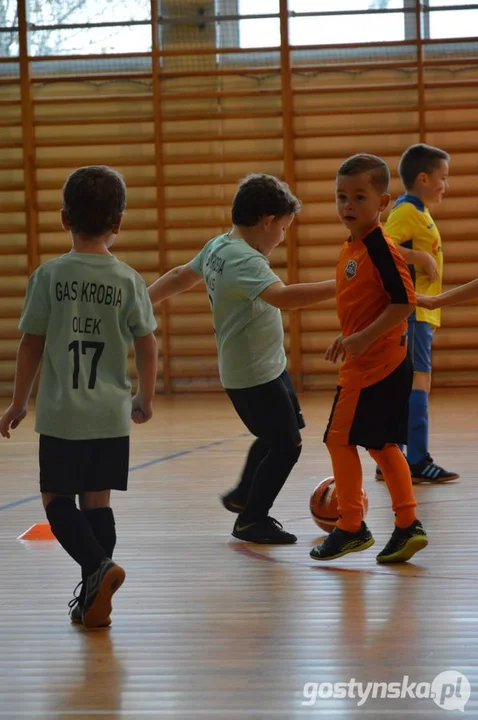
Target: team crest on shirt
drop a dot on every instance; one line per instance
(351, 269)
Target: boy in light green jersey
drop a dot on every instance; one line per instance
(81, 314)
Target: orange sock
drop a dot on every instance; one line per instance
(348, 484)
(396, 472)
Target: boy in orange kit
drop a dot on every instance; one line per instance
(375, 295)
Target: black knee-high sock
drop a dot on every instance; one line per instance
(270, 476)
(74, 533)
(102, 523)
(256, 455)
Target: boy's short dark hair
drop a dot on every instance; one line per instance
(366, 163)
(258, 195)
(94, 198)
(417, 159)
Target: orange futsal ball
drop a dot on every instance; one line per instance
(323, 504)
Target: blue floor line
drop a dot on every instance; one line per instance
(149, 463)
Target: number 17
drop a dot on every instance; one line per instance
(74, 346)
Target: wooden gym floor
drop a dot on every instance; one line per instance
(208, 627)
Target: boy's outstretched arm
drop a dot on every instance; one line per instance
(29, 356)
(289, 297)
(421, 259)
(460, 294)
(173, 282)
(146, 360)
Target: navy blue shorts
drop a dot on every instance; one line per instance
(420, 335)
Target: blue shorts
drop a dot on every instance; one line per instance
(420, 335)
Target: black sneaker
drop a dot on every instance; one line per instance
(76, 607)
(404, 543)
(230, 502)
(379, 474)
(264, 532)
(100, 588)
(340, 542)
(428, 471)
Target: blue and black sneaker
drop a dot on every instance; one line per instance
(429, 471)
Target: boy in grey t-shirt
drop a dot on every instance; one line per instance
(246, 297)
(82, 312)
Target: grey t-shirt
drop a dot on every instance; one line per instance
(249, 331)
(89, 308)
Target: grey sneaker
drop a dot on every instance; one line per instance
(100, 588)
(76, 607)
(76, 614)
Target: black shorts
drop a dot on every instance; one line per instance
(72, 467)
(270, 411)
(373, 416)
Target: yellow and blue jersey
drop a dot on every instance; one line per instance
(411, 225)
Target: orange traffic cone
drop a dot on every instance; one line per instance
(39, 531)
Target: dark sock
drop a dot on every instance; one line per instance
(269, 479)
(102, 523)
(256, 455)
(74, 533)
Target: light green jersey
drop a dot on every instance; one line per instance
(249, 331)
(89, 308)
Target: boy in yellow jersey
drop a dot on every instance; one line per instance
(424, 173)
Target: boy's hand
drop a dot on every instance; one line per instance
(142, 410)
(428, 264)
(336, 351)
(426, 301)
(12, 418)
(356, 344)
